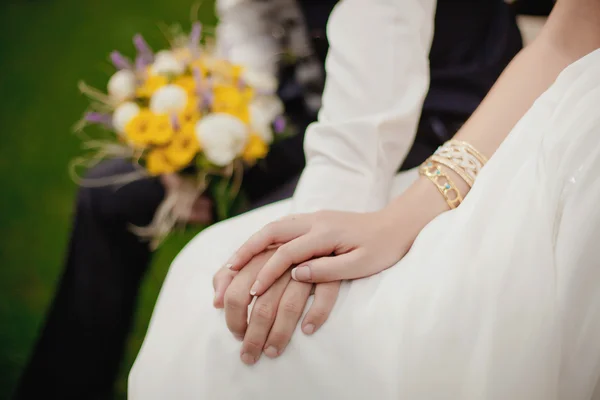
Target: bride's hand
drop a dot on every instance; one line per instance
(339, 245)
(333, 245)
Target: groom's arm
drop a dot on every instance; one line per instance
(377, 78)
(571, 32)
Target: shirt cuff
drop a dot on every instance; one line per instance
(326, 187)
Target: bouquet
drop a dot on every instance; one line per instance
(185, 111)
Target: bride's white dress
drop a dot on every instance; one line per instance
(498, 299)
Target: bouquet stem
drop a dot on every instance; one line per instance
(227, 198)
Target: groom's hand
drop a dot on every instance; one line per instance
(275, 314)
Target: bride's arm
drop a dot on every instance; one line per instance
(365, 244)
(572, 31)
(377, 78)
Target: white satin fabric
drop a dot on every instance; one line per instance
(498, 299)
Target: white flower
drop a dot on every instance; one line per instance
(263, 111)
(168, 99)
(260, 81)
(223, 137)
(123, 114)
(166, 63)
(121, 86)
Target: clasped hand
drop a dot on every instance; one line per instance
(280, 264)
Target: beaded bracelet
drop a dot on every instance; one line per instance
(469, 147)
(462, 158)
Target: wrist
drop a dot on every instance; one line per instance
(422, 202)
(419, 205)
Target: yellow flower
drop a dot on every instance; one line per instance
(255, 149)
(157, 163)
(161, 130)
(183, 148)
(187, 82)
(148, 128)
(235, 71)
(224, 69)
(201, 66)
(137, 130)
(191, 114)
(232, 100)
(151, 85)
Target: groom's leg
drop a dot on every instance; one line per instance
(81, 346)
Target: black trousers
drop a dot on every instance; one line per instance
(79, 351)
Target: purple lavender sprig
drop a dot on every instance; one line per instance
(120, 61)
(175, 124)
(143, 49)
(99, 119)
(197, 79)
(195, 35)
(203, 89)
(279, 124)
(207, 99)
(140, 66)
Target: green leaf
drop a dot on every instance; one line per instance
(203, 164)
(219, 189)
(226, 202)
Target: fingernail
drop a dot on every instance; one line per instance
(309, 329)
(248, 359)
(254, 288)
(301, 273)
(229, 262)
(216, 298)
(271, 352)
(239, 338)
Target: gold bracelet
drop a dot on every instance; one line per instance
(473, 151)
(454, 167)
(435, 173)
(462, 156)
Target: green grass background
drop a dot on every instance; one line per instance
(46, 46)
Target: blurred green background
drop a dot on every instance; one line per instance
(46, 47)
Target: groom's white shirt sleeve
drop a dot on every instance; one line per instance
(377, 78)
